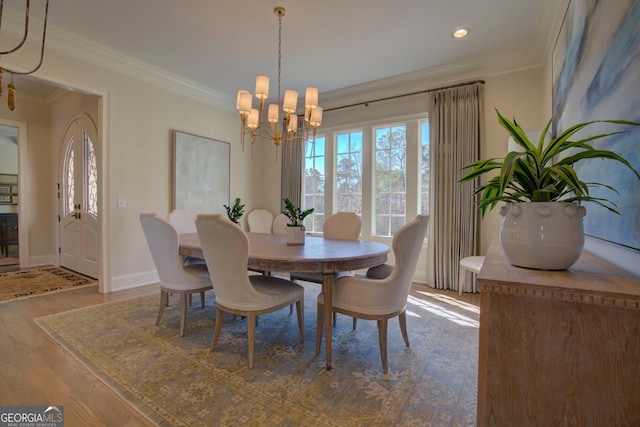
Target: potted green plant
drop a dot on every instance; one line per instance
(542, 175)
(295, 227)
(235, 210)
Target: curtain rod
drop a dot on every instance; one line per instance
(366, 103)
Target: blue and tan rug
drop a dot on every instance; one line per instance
(175, 381)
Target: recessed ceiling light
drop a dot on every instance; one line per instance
(460, 33)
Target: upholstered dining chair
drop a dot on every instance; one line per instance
(175, 278)
(380, 299)
(184, 221)
(260, 221)
(340, 226)
(226, 250)
(280, 224)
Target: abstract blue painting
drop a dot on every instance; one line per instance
(596, 76)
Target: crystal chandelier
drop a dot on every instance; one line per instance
(11, 87)
(253, 122)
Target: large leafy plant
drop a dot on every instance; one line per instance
(539, 173)
(295, 214)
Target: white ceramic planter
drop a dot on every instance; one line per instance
(295, 235)
(544, 236)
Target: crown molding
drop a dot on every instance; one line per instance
(84, 50)
(486, 66)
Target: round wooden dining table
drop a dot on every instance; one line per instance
(270, 252)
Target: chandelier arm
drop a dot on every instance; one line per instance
(26, 27)
(44, 36)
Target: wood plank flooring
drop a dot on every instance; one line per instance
(34, 370)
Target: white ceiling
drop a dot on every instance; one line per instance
(332, 44)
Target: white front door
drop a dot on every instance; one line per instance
(78, 226)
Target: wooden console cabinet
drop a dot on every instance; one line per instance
(558, 348)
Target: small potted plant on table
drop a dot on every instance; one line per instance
(235, 210)
(295, 227)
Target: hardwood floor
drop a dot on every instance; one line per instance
(34, 370)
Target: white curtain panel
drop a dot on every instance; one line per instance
(456, 126)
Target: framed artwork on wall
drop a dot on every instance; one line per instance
(596, 76)
(200, 173)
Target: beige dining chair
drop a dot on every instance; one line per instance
(184, 221)
(380, 299)
(339, 226)
(260, 221)
(226, 251)
(175, 278)
(280, 224)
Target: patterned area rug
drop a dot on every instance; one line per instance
(175, 381)
(30, 283)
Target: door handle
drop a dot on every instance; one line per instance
(76, 215)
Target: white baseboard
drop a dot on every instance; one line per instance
(130, 281)
(39, 261)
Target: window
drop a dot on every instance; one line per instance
(379, 170)
(91, 184)
(390, 179)
(313, 197)
(69, 179)
(424, 168)
(349, 172)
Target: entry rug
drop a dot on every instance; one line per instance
(23, 284)
(175, 381)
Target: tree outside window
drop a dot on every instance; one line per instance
(349, 172)
(314, 179)
(390, 179)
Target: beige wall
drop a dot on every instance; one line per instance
(135, 121)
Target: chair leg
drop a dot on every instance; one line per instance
(382, 337)
(202, 299)
(251, 324)
(403, 327)
(319, 327)
(335, 318)
(164, 300)
(183, 312)
(290, 309)
(300, 311)
(355, 322)
(217, 329)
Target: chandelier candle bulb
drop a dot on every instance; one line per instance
(293, 123)
(239, 96)
(290, 101)
(252, 121)
(272, 114)
(311, 98)
(244, 103)
(316, 117)
(262, 87)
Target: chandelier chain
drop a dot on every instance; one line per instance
(279, 52)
